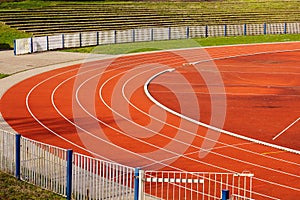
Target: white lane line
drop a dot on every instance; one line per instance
(218, 154)
(243, 55)
(37, 120)
(232, 94)
(218, 142)
(279, 134)
(207, 125)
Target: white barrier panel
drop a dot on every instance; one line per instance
(178, 33)
(161, 33)
(197, 31)
(43, 165)
(143, 35)
(216, 30)
(194, 185)
(88, 39)
(293, 28)
(275, 28)
(124, 36)
(55, 42)
(107, 37)
(23, 46)
(72, 40)
(96, 179)
(235, 30)
(39, 44)
(255, 29)
(7, 152)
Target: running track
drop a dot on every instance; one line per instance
(100, 108)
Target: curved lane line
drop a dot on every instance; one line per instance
(249, 163)
(207, 125)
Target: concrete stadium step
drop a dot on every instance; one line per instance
(104, 16)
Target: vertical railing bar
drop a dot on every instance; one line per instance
(81, 194)
(85, 177)
(107, 178)
(117, 181)
(80, 163)
(245, 186)
(215, 190)
(96, 183)
(101, 179)
(69, 173)
(185, 185)
(162, 185)
(251, 187)
(168, 186)
(124, 188)
(18, 156)
(113, 183)
(95, 178)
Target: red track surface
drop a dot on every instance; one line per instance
(100, 109)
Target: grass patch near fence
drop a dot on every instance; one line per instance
(177, 44)
(136, 47)
(11, 188)
(7, 36)
(3, 75)
(217, 41)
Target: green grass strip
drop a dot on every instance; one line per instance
(11, 188)
(126, 48)
(7, 36)
(3, 75)
(27, 4)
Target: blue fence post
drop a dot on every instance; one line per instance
(136, 183)
(206, 31)
(170, 37)
(133, 35)
(115, 36)
(187, 32)
(152, 34)
(245, 29)
(80, 40)
(225, 194)
(31, 45)
(285, 26)
(97, 38)
(18, 155)
(63, 41)
(69, 173)
(225, 30)
(15, 48)
(265, 28)
(47, 43)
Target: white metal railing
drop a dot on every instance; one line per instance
(7, 152)
(97, 179)
(61, 41)
(43, 165)
(46, 166)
